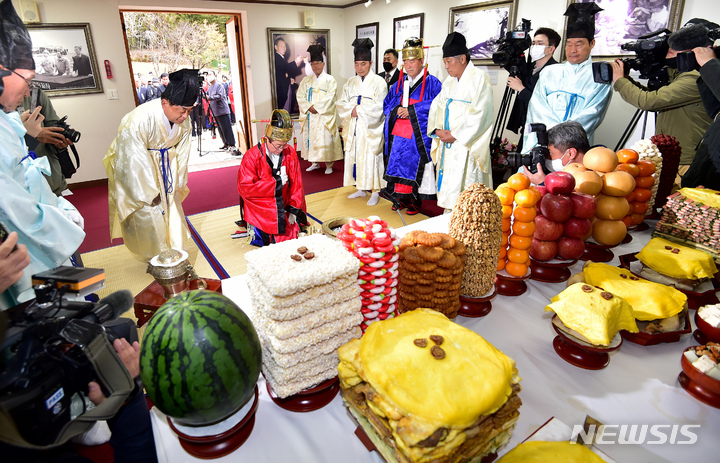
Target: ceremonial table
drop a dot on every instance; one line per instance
(639, 387)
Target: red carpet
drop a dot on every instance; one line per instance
(209, 190)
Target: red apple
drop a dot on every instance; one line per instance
(546, 229)
(584, 205)
(557, 208)
(560, 183)
(569, 248)
(543, 192)
(543, 250)
(577, 228)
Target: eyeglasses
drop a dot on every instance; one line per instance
(280, 147)
(29, 82)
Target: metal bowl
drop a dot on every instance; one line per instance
(329, 225)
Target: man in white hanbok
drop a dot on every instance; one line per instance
(147, 170)
(361, 113)
(460, 122)
(567, 91)
(316, 98)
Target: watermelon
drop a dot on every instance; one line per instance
(200, 358)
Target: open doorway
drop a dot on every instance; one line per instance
(159, 42)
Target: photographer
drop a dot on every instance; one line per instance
(545, 42)
(567, 143)
(705, 168)
(678, 104)
(50, 140)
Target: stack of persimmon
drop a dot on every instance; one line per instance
(642, 172)
(518, 199)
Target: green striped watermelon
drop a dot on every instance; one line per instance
(200, 358)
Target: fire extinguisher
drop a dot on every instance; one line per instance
(108, 69)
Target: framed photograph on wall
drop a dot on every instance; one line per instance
(65, 62)
(623, 21)
(369, 31)
(483, 24)
(407, 26)
(290, 62)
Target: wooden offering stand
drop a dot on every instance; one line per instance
(699, 385)
(310, 399)
(552, 271)
(476, 307)
(152, 298)
(579, 353)
(508, 285)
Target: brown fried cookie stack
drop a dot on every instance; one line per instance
(431, 269)
(476, 221)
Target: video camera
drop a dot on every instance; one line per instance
(650, 51)
(538, 155)
(686, 60)
(52, 348)
(511, 48)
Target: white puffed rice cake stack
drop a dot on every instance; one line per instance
(649, 152)
(303, 310)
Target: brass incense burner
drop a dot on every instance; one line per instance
(173, 272)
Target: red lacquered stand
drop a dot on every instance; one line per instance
(217, 446)
(581, 354)
(642, 226)
(476, 307)
(597, 252)
(647, 339)
(508, 285)
(705, 332)
(699, 385)
(308, 400)
(552, 271)
(153, 296)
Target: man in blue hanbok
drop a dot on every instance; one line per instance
(410, 172)
(49, 226)
(567, 91)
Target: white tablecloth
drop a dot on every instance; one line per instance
(639, 387)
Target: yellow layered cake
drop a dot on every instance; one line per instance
(670, 263)
(649, 300)
(550, 452)
(426, 389)
(595, 314)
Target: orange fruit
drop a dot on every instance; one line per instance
(506, 225)
(627, 156)
(642, 194)
(627, 220)
(526, 198)
(524, 214)
(535, 190)
(646, 168)
(631, 196)
(504, 241)
(501, 264)
(506, 195)
(524, 228)
(645, 182)
(638, 207)
(631, 169)
(520, 242)
(637, 218)
(519, 256)
(516, 270)
(518, 182)
(507, 212)
(503, 252)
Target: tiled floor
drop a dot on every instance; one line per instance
(212, 156)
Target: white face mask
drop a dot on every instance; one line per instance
(537, 52)
(556, 165)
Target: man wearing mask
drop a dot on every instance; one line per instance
(545, 42)
(460, 122)
(50, 227)
(220, 110)
(361, 113)
(567, 91)
(390, 62)
(567, 143)
(410, 172)
(146, 166)
(316, 97)
(680, 112)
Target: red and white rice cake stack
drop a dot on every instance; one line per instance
(303, 310)
(373, 242)
(690, 223)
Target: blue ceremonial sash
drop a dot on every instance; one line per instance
(446, 126)
(166, 170)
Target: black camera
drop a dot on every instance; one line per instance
(52, 348)
(650, 52)
(68, 132)
(538, 155)
(511, 48)
(686, 60)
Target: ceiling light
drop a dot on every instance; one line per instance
(387, 1)
(368, 3)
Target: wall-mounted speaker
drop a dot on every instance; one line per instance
(309, 18)
(28, 11)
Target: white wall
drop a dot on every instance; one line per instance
(97, 117)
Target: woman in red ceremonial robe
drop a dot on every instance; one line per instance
(270, 185)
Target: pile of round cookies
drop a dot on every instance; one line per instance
(431, 272)
(375, 244)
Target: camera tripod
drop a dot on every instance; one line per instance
(504, 112)
(639, 113)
